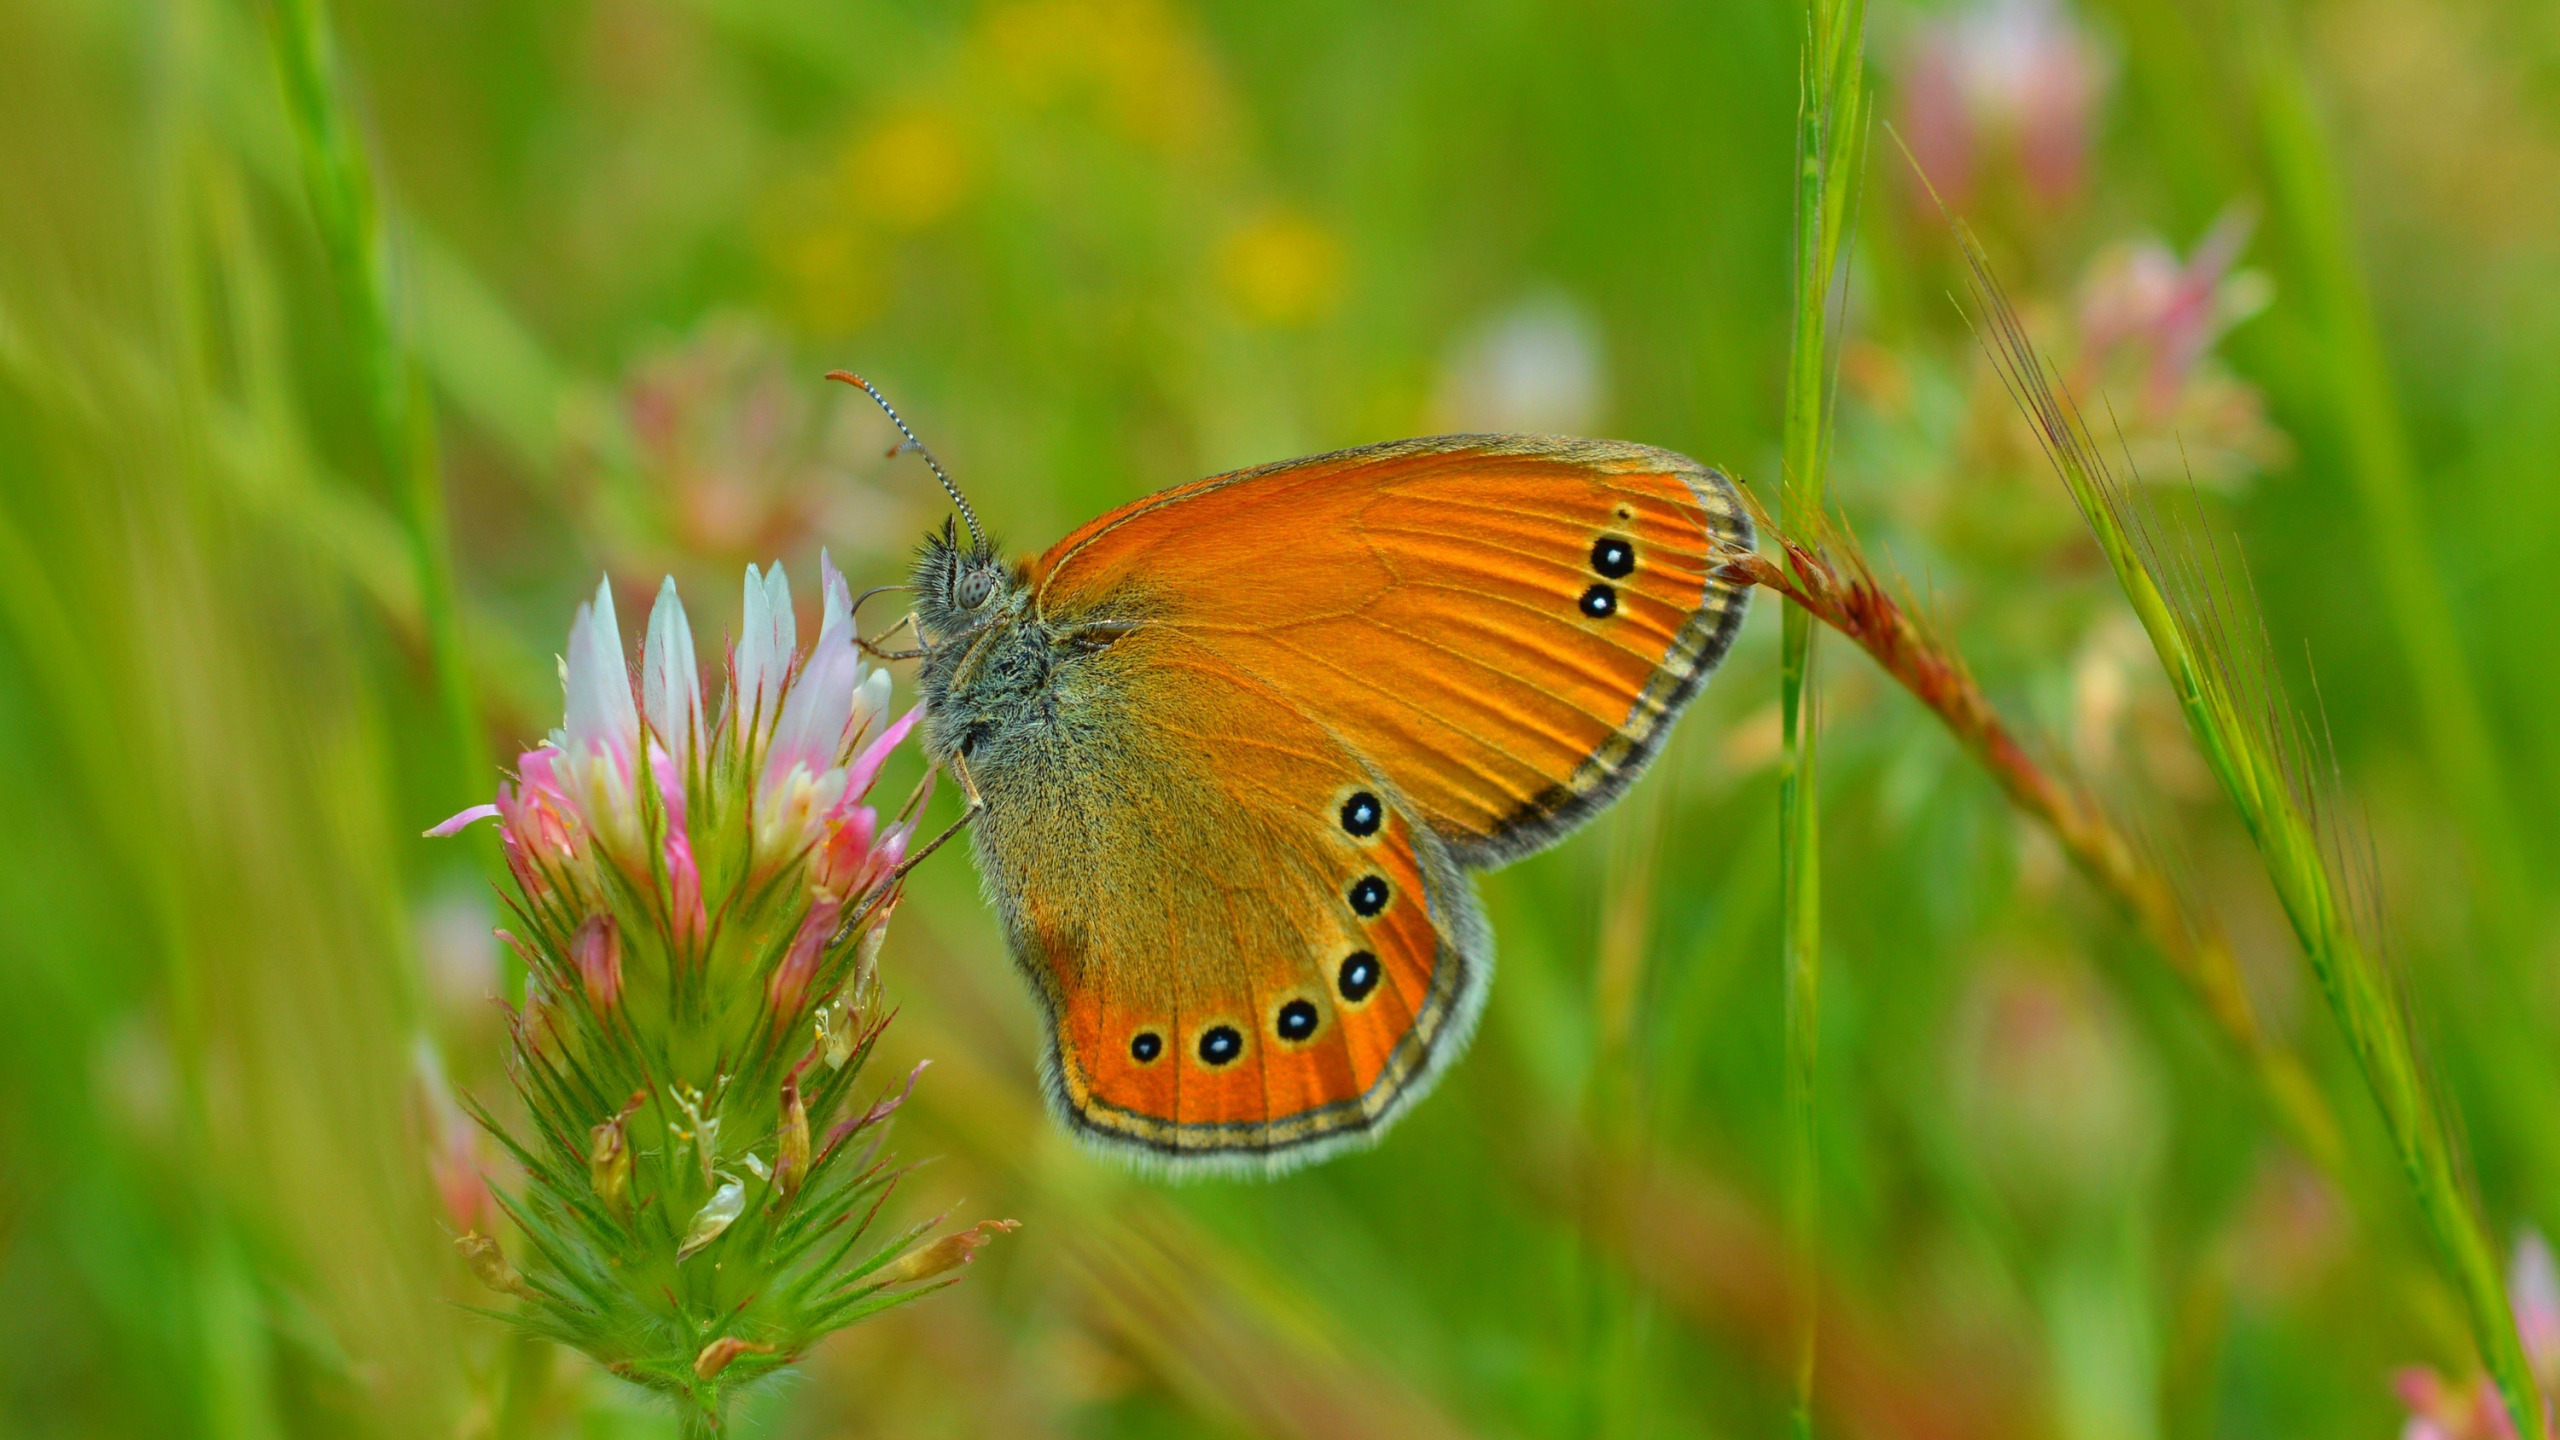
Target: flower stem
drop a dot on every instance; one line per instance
(1830, 143)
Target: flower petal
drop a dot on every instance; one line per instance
(767, 639)
(670, 681)
(870, 702)
(815, 714)
(454, 825)
(837, 595)
(866, 766)
(601, 715)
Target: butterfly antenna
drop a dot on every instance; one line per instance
(867, 388)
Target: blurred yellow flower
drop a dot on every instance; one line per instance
(907, 172)
(1142, 62)
(1281, 270)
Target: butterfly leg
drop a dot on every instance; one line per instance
(872, 648)
(968, 812)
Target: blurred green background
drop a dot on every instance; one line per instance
(2304, 259)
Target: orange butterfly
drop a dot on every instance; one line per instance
(1232, 749)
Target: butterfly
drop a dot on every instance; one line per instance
(1232, 749)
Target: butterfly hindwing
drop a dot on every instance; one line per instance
(1248, 948)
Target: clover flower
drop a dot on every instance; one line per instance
(699, 903)
(1997, 84)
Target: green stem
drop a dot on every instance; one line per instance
(347, 212)
(1830, 139)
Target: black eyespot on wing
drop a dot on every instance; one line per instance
(1613, 556)
(1220, 1045)
(1145, 1046)
(1297, 1020)
(1369, 895)
(1362, 813)
(1359, 976)
(1600, 602)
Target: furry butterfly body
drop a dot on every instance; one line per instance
(1239, 742)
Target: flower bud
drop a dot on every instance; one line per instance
(788, 989)
(597, 952)
(948, 1253)
(791, 1139)
(715, 1357)
(609, 1160)
(715, 1216)
(489, 1263)
(864, 987)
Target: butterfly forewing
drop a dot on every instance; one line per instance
(1503, 626)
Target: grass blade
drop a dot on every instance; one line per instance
(2279, 773)
(1830, 150)
(346, 209)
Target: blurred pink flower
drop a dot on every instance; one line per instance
(2001, 79)
(731, 455)
(2139, 301)
(454, 1158)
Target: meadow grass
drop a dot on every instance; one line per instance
(1831, 132)
(347, 213)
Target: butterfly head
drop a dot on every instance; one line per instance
(961, 585)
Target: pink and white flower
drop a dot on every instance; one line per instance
(641, 795)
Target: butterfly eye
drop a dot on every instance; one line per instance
(974, 588)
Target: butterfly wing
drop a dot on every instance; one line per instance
(1505, 626)
(1369, 669)
(1249, 950)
